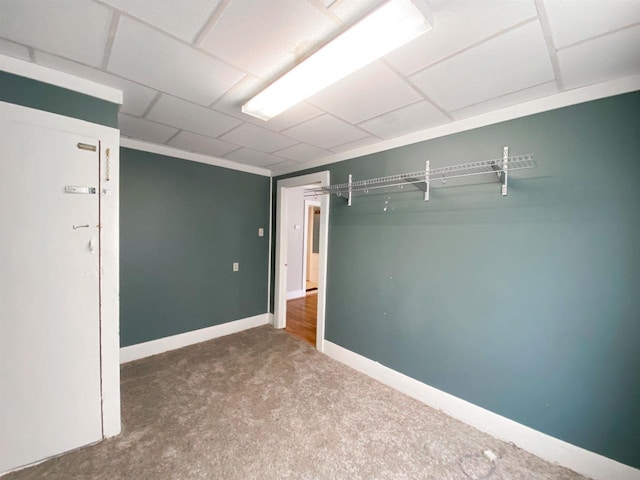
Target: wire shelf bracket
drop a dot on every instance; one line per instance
(422, 180)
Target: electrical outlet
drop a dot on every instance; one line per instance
(261, 232)
(236, 266)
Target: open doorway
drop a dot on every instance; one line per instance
(301, 254)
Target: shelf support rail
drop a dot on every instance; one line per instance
(426, 181)
(505, 170)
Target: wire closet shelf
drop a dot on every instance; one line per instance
(500, 167)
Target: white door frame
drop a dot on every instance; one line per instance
(280, 306)
(305, 239)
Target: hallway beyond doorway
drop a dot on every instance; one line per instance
(302, 317)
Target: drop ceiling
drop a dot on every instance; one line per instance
(186, 67)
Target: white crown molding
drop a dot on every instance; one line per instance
(194, 157)
(161, 345)
(545, 446)
(60, 79)
(551, 102)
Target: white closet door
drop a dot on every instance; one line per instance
(50, 398)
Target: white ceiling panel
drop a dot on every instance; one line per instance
(267, 37)
(145, 55)
(255, 137)
(284, 164)
(136, 97)
(144, 129)
(521, 96)
(573, 21)
(232, 101)
(182, 19)
(189, 116)
(350, 11)
(199, 143)
(604, 58)
(325, 132)
(370, 91)
(408, 119)
(363, 142)
(497, 67)
(303, 152)
(458, 24)
(293, 116)
(14, 50)
(253, 157)
(75, 29)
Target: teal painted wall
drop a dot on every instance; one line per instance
(50, 98)
(527, 305)
(182, 225)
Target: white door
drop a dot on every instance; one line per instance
(50, 398)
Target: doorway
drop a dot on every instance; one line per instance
(285, 192)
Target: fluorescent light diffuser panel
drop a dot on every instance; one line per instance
(388, 27)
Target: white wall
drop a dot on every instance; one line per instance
(295, 239)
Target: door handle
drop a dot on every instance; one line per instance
(75, 227)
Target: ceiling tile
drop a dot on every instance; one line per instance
(363, 142)
(253, 157)
(189, 116)
(604, 58)
(572, 22)
(458, 24)
(136, 98)
(232, 101)
(350, 11)
(201, 144)
(270, 38)
(258, 138)
(303, 152)
(295, 115)
(497, 67)
(408, 119)
(145, 55)
(284, 164)
(60, 27)
(325, 132)
(142, 129)
(369, 92)
(182, 19)
(520, 96)
(14, 50)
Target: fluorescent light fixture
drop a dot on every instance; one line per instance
(388, 27)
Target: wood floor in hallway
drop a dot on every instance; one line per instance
(301, 318)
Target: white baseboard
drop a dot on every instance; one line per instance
(270, 318)
(545, 446)
(154, 347)
(296, 294)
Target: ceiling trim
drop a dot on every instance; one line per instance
(551, 102)
(60, 79)
(194, 157)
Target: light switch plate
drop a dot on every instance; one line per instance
(236, 266)
(261, 232)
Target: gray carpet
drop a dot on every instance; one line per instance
(262, 405)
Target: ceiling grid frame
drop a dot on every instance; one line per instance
(621, 17)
